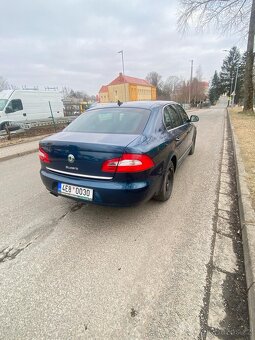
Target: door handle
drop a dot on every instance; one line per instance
(24, 114)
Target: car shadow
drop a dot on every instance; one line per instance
(96, 217)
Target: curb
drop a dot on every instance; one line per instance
(6, 158)
(247, 220)
(22, 153)
(31, 139)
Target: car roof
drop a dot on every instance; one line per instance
(152, 104)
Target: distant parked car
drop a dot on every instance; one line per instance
(119, 155)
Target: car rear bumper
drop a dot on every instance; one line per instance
(105, 192)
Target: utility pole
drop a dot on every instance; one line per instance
(191, 78)
(123, 72)
(234, 93)
(122, 57)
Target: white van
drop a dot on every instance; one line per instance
(29, 105)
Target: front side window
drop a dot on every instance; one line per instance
(111, 121)
(14, 105)
(176, 119)
(183, 114)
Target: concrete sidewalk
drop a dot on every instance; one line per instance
(17, 150)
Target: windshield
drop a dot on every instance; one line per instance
(2, 104)
(111, 120)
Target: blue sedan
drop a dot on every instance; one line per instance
(119, 154)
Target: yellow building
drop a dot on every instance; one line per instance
(125, 88)
(103, 94)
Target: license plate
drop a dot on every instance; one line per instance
(74, 191)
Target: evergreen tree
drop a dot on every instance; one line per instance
(229, 16)
(215, 89)
(231, 64)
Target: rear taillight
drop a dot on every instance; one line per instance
(128, 163)
(44, 157)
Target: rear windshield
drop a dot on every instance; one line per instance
(111, 120)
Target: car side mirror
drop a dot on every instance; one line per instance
(8, 110)
(194, 118)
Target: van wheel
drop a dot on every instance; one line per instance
(167, 185)
(192, 149)
(2, 126)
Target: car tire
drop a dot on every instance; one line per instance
(192, 149)
(2, 126)
(167, 185)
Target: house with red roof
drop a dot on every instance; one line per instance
(103, 94)
(125, 88)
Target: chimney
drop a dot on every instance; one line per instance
(120, 74)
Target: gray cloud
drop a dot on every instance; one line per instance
(74, 43)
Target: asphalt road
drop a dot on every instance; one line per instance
(86, 272)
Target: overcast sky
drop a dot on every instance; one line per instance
(74, 43)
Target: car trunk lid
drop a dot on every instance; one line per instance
(82, 154)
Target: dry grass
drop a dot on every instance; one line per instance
(30, 135)
(244, 126)
(15, 141)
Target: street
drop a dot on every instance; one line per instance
(72, 271)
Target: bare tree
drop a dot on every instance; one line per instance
(170, 87)
(4, 84)
(155, 79)
(182, 93)
(197, 86)
(70, 93)
(66, 92)
(199, 73)
(226, 15)
(198, 91)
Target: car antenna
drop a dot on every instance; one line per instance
(119, 102)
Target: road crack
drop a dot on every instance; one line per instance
(9, 253)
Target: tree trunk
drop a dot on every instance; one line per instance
(248, 81)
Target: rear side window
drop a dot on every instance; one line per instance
(111, 120)
(183, 114)
(167, 119)
(175, 119)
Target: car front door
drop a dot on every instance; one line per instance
(14, 111)
(186, 121)
(176, 129)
